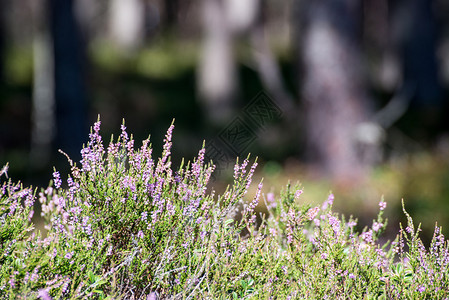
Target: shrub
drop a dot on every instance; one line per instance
(126, 225)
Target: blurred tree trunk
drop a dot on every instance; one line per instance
(43, 109)
(2, 43)
(70, 89)
(382, 55)
(333, 88)
(217, 74)
(171, 10)
(223, 21)
(267, 66)
(418, 35)
(127, 24)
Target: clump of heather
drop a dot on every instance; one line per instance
(16, 211)
(323, 254)
(124, 224)
(128, 219)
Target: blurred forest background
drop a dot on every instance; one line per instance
(355, 91)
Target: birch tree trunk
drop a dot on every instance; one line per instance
(217, 74)
(127, 24)
(43, 106)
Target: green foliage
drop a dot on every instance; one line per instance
(124, 225)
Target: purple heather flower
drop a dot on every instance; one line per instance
(228, 253)
(57, 179)
(29, 201)
(166, 152)
(196, 166)
(53, 281)
(312, 213)
(422, 288)
(129, 182)
(12, 282)
(335, 223)
(170, 208)
(97, 126)
(271, 201)
(243, 166)
(68, 255)
(236, 171)
(154, 215)
(43, 294)
(140, 234)
(351, 224)
(352, 276)
(65, 287)
(153, 296)
(380, 252)
(328, 202)
(12, 208)
(113, 150)
(297, 194)
(177, 177)
(144, 216)
(367, 236)
(88, 229)
(89, 244)
(377, 226)
(270, 198)
(30, 215)
(324, 255)
(382, 204)
(250, 175)
(95, 137)
(289, 235)
(252, 220)
(291, 214)
(35, 275)
(255, 201)
(55, 252)
(124, 134)
(130, 147)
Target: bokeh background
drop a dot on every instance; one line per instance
(359, 87)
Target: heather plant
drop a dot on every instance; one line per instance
(16, 211)
(125, 225)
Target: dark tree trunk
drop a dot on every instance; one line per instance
(2, 43)
(333, 89)
(171, 11)
(69, 78)
(418, 51)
